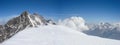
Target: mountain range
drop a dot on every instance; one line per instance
(70, 31)
(105, 30)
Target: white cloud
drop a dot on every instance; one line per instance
(77, 23)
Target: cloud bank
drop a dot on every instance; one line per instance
(77, 23)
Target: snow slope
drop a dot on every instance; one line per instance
(56, 35)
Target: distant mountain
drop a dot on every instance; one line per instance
(105, 30)
(21, 22)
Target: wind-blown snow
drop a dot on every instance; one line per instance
(56, 35)
(77, 23)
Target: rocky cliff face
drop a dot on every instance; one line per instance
(19, 23)
(3, 33)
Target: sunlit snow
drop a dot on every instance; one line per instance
(56, 35)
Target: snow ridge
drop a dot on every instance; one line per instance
(56, 35)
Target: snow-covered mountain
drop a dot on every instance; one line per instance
(33, 29)
(106, 30)
(56, 35)
(19, 23)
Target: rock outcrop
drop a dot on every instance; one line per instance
(19, 23)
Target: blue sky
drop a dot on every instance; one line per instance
(90, 10)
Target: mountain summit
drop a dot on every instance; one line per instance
(19, 23)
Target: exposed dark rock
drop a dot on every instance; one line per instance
(19, 23)
(50, 21)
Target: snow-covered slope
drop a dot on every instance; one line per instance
(56, 35)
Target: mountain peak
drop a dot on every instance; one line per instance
(25, 13)
(21, 22)
(35, 14)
